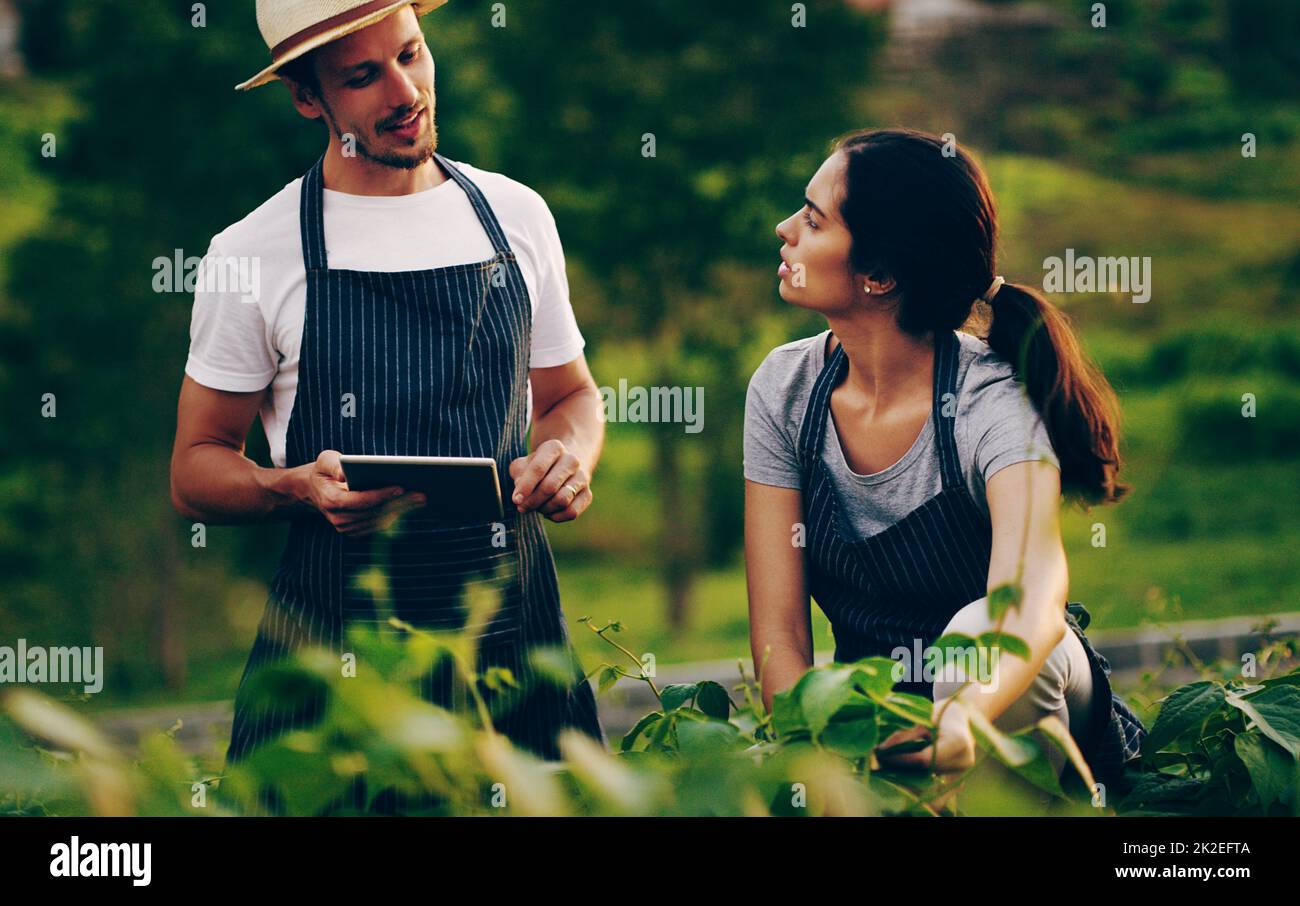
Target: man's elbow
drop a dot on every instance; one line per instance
(183, 509)
(179, 502)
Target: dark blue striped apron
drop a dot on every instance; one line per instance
(423, 363)
(908, 581)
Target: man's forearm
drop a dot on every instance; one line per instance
(216, 484)
(576, 422)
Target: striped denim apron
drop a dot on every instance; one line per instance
(421, 363)
(906, 582)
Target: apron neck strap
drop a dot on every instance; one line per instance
(812, 432)
(312, 213)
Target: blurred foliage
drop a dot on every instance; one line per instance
(1117, 140)
(1217, 748)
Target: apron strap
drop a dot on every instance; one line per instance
(311, 217)
(312, 213)
(812, 431)
(946, 359)
(486, 215)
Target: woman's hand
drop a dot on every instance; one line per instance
(952, 751)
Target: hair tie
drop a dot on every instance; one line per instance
(992, 290)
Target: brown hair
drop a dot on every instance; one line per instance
(921, 211)
(302, 71)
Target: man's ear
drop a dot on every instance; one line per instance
(303, 99)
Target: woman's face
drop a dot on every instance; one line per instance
(814, 271)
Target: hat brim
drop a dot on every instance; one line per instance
(271, 74)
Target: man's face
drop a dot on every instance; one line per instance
(377, 86)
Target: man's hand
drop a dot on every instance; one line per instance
(551, 479)
(354, 513)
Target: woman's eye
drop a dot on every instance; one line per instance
(807, 218)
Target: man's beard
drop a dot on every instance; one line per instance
(414, 157)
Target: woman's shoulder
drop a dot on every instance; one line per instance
(997, 422)
(981, 365)
(789, 371)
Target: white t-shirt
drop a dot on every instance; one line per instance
(243, 341)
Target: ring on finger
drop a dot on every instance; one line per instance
(576, 491)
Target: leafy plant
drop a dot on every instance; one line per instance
(1218, 746)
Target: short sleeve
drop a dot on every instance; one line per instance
(769, 449)
(556, 338)
(229, 346)
(1007, 429)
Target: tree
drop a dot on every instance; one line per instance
(669, 138)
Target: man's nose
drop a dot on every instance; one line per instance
(403, 92)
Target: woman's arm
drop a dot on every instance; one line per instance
(1024, 506)
(780, 624)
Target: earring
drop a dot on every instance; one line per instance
(867, 287)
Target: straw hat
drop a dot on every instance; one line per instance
(293, 27)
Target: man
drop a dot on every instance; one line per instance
(406, 305)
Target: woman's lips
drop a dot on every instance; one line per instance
(784, 270)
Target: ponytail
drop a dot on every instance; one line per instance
(1077, 404)
(939, 243)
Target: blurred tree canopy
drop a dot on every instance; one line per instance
(741, 105)
(668, 141)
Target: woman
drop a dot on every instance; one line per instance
(900, 470)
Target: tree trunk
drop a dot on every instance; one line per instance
(675, 529)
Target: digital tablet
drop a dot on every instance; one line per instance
(462, 489)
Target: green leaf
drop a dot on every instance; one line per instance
(677, 694)
(1163, 790)
(1059, 734)
(851, 738)
(900, 710)
(642, 725)
(500, 678)
(1186, 707)
(713, 700)
(609, 675)
(697, 734)
(663, 736)
(1272, 770)
(1013, 751)
(787, 715)
(1003, 598)
(1276, 713)
(1010, 644)
(874, 676)
(954, 640)
(1017, 751)
(823, 691)
(553, 664)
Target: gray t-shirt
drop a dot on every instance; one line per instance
(996, 426)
